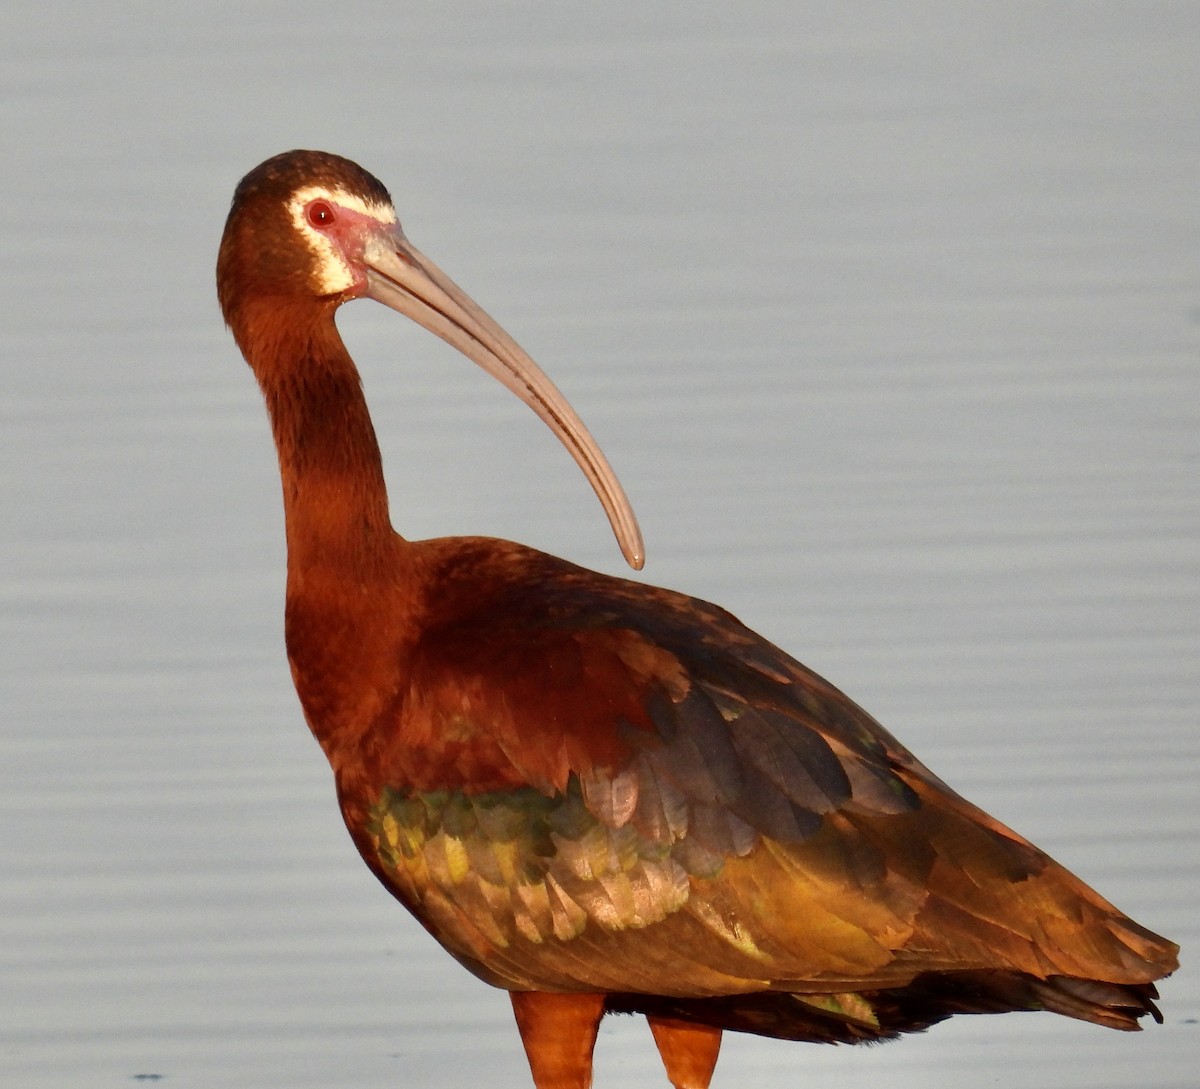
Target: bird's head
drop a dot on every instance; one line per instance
(308, 231)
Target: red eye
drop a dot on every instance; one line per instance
(320, 214)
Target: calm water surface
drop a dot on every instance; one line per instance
(890, 321)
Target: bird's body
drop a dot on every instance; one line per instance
(598, 795)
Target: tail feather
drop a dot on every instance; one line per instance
(1114, 1005)
(873, 1015)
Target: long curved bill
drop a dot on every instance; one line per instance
(400, 277)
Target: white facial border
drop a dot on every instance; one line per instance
(333, 274)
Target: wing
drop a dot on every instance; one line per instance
(596, 785)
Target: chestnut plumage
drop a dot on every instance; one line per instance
(599, 795)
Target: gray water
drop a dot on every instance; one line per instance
(887, 315)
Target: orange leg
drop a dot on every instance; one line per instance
(559, 1034)
(689, 1051)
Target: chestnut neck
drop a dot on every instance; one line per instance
(334, 494)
